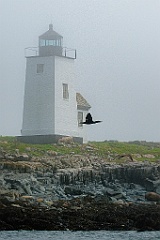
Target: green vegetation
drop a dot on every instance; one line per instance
(139, 151)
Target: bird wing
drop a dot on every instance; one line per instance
(97, 121)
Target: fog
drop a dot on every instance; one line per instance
(117, 65)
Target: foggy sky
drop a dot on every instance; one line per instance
(117, 66)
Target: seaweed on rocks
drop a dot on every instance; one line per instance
(78, 215)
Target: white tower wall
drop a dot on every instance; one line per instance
(39, 101)
(65, 109)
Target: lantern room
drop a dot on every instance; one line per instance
(50, 43)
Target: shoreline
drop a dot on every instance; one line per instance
(83, 215)
(74, 187)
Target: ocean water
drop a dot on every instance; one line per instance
(78, 235)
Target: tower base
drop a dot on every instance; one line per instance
(45, 139)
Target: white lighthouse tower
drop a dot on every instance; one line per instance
(52, 108)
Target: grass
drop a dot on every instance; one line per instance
(121, 148)
(101, 149)
(10, 144)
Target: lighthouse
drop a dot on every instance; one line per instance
(52, 108)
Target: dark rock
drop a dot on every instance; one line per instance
(158, 189)
(24, 157)
(102, 199)
(111, 192)
(86, 213)
(152, 196)
(4, 226)
(72, 190)
(152, 185)
(92, 177)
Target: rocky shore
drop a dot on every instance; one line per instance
(81, 214)
(77, 192)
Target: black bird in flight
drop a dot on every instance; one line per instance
(89, 120)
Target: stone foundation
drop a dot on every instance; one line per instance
(45, 139)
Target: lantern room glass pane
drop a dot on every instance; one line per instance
(51, 43)
(55, 42)
(47, 42)
(42, 42)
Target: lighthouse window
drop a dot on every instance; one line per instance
(40, 68)
(80, 119)
(65, 91)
